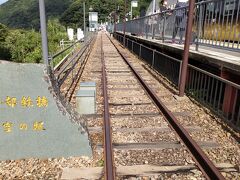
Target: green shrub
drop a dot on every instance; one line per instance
(24, 46)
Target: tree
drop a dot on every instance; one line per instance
(3, 32)
(56, 32)
(24, 46)
(21, 44)
(4, 52)
(25, 13)
(73, 16)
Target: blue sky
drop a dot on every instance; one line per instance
(2, 1)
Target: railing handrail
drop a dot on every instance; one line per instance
(205, 87)
(172, 58)
(64, 50)
(210, 25)
(171, 10)
(78, 55)
(237, 86)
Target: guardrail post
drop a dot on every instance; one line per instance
(238, 118)
(132, 46)
(124, 25)
(230, 94)
(146, 31)
(84, 20)
(164, 26)
(199, 26)
(73, 69)
(115, 16)
(152, 29)
(51, 62)
(153, 58)
(140, 51)
(179, 77)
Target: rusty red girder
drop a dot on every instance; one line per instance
(188, 36)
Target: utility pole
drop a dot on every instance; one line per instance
(115, 16)
(154, 6)
(84, 20)
(124, 28)
(131, 11)
(44, 33)
(186, 49)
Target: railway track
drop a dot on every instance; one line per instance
(147, 104)
(68, 72)
(133, 134)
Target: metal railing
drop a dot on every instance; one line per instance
(68, 63)
(218, 94)
(68, 51)
(216, 23)
(64, 43)
(63, 54)
(166, 65)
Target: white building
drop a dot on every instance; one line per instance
(93, 21)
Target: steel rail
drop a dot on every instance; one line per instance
(79, 72)
(108, 153)
(203, 162)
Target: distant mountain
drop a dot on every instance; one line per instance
(2, 1)
(25, 13)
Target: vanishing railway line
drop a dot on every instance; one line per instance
(128, 73)
(139, 135)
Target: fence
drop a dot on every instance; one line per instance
(63, 54)
(216, 23)
(68, 51)
(68, 63)
(220, 95)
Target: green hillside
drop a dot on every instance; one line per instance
(20, 39)
(73, 16)
(25, 13)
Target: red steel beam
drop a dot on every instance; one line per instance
(188, 36)
(124, 20)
